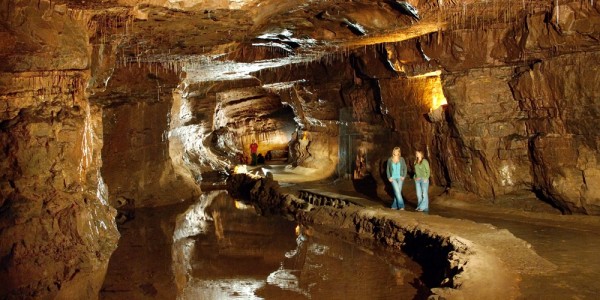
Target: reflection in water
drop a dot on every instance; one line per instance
(221, 249)
(324, 267)
(243, 255)
(231, 255)
(192, 222)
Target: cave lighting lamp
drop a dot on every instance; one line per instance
(240, 169)
(241, 205)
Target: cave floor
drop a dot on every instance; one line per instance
(568, 241)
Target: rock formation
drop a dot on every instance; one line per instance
(134, 103)
(57, 230)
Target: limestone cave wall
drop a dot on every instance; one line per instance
(214, 123)
(313, 91)
(518, 117)
(138, 168)
(57, 231)
(521, 104)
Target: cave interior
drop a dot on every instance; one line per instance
(115, 105)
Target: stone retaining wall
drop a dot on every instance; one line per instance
(321, 199)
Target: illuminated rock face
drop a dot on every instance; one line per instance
(519, 113)
(526, 126)
(138, 102)
(57, 231)
(137, 164)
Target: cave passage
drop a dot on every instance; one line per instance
(123, 121)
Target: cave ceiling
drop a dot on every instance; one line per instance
(228, 39)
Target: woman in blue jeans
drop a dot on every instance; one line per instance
(422, 174)
(396, 172)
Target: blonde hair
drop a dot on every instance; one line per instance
(399, 151)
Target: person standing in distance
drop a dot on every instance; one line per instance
(396, 172)
(253, 152)
(422, 173)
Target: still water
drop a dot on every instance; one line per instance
(219, 248)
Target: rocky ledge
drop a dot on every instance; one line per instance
(460, 259)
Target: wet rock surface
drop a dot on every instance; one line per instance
(130, 103)
(477, 142)
(138, 168)
(57, 231)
